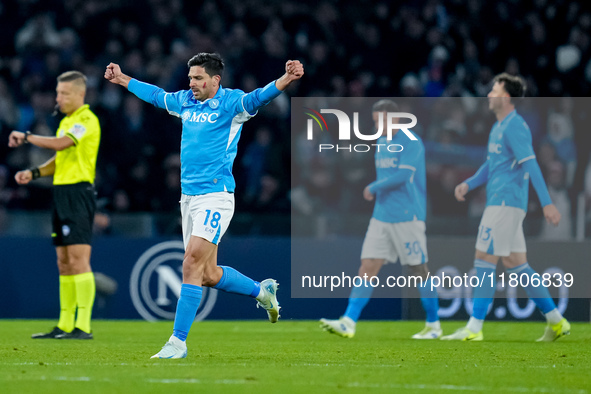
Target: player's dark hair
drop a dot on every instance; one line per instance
(70, 76)
(385, 106)
(513, 84)
(212, 63)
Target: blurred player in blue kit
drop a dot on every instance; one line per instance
(397, 228)
(212, 118)
(510, 165)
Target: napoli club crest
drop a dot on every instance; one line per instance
(214, 103)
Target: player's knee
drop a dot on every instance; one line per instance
(370, 267)
(508, 262)
(419, 270)
(209, 281)
(480, 255)
(212, 275)
(196, 253)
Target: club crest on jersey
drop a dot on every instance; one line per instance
(213, 103)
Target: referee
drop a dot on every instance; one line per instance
(73, 168)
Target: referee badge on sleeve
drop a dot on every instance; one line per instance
(78, 131)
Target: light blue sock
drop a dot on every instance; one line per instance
(540, 294)
(430, 301)
(186, 309)
(483, 295)
(233, 281)
(358, 299)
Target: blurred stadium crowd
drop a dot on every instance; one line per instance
(352, 48)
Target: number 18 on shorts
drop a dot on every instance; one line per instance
(206, 216)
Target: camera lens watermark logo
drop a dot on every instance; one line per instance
(155, 283)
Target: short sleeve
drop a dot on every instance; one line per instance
(84, 126)
(77, 132)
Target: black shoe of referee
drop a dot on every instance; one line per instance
(50, 335)
(76, 334)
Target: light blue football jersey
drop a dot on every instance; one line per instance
(400, 187)
(211, 130)
(509, 146)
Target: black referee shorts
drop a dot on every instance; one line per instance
(73, 213)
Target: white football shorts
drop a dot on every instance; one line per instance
(207, 215)
(392, 241)
(501, 231)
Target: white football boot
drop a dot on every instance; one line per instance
(174, 348)
(267, 299)
(428, 333)
(344, 326)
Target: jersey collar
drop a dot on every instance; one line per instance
(85, 106)
(217, 96)
(509, 116)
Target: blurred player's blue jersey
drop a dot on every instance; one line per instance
(400, 187)
(211, 130)
(509, 146)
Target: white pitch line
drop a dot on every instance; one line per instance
(181, 364)
(199, 381)
(436, 387)
(363, 385)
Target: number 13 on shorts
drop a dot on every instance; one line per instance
(484, 241)
(484, 233)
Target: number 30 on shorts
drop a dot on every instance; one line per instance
(414, 248)
(215, 218)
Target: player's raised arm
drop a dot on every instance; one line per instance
(114, 75)
(258, 98)
(144, 91)
(294, 70)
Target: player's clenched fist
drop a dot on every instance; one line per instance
(114, 75)
(294, 68)
(112, 71)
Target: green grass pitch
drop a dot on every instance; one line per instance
(293, 357)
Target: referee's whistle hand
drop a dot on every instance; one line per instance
(23, 177)
(16, 138)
